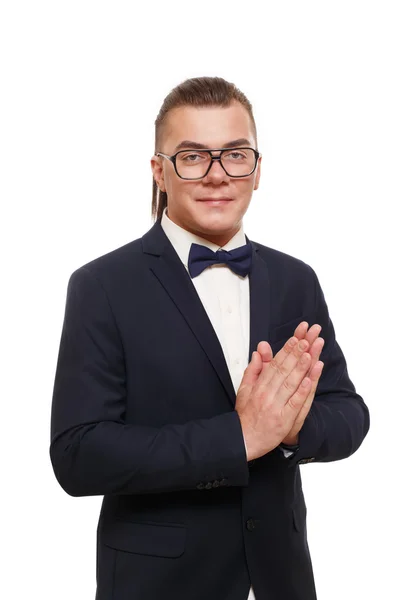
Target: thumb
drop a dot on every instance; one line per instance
(253, 369)
(265, 351)
(249, 378)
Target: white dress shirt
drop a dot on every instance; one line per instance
(225, 297)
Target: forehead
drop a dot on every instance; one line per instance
(212, 126)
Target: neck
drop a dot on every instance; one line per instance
(219, 239)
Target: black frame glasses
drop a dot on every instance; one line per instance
(172, 158)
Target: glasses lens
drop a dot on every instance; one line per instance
(240, 162)
(192, 164)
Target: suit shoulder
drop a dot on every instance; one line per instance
(117, 260)
(281, 261)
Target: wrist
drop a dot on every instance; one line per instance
(290, 440)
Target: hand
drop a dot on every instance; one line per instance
(272, 394)
(314, 372)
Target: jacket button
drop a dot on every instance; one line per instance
(200, 486)
(208, 485)
(216, 484)
(304, 461)
(223, 481)
(250, 524)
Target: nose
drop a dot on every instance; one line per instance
(216, 173)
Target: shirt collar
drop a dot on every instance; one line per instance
(181, 239)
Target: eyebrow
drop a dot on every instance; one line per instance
(197, 146)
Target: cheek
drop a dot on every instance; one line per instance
(244, 190)
(181, 192)
(173, 186)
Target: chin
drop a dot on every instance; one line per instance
(216, 222)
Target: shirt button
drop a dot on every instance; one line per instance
(237, 361)
(229, 309)
(250, 524)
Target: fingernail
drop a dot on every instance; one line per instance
(304, 359)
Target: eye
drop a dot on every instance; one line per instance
(237, 155)
(192, 157)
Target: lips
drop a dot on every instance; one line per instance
(213, 199)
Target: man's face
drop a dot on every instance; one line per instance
(214, 127)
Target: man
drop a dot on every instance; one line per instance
(179, 395)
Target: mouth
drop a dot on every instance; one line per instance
(215, 201)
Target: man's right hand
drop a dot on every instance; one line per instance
(271, 395)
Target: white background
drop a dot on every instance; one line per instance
(82, 83)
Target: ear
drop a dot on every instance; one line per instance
(258, 173)
(157, 166)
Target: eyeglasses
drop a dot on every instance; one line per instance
(195, 164)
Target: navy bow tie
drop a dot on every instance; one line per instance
(201, 257)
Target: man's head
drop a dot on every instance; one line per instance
(211, 113)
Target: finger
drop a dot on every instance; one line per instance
(252, 371)
(315, 352)
(265, 350)
(315, 374)
(277, 373)
(301, 330)
(296, 400)
(305, 409)
(311, 335)
(292, 382)
(286, 349)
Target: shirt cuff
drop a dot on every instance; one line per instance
(287, 450)
(286, 453)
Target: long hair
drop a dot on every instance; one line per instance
(198, 91)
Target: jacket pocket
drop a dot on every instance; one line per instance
(286, 330)
(155, 539)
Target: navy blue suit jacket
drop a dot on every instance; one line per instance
(144, 414)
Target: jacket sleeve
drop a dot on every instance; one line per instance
(92, 450)
(338, 420)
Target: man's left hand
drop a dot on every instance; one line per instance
(315, 349)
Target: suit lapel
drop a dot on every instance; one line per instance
(173, 276)
(260, 302)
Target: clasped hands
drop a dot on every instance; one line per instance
(276, 392)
